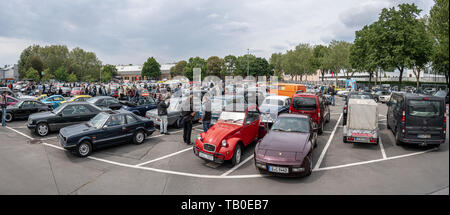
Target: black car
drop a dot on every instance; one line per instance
(105, 129)
(62, 116)
(105, 101)
(354, 95)
(24, 108)
(140, 107)
(417, 118)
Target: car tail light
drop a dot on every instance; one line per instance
(373, 140)
(350, 138)
(403, 116)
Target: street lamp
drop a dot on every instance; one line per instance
(248, 63)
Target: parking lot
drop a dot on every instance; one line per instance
(165, 165)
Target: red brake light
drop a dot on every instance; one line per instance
(426, 98)
(350, 138)
(403, 116)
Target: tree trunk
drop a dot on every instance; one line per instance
(376, 76)
(401, 76)
(336, 75)
(370, 78)
(323, 74)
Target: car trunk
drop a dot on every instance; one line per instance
(424, 119)
(306, 105)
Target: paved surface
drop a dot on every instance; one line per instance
(165, 165)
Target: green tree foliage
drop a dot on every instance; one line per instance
(85, 65)
(108, 72)
(276, 63)
(32, 74)
(72, 78)
(338, 58)
(256, 66)
(229, 65)
(423, 46)
(151, 69)
(37, 64)
(194, 62)
(362, 54)
(61, 74)
(318, 59)
(178, 69)
(25, 59)
(214, 66)
(438, 27)
(47, 75)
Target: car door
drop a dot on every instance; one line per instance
(24, 110)
(113, 131)
(66, 117)
(131, 124)
(390, 112)
(251, 126)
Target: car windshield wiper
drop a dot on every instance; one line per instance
(278, 129)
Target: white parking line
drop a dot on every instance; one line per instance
(374, 161)
(12, 129)
(164, 157)
(19, 127)
(322, 155)
(237, 166)
(381, 148)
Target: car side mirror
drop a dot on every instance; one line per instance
(105, 127)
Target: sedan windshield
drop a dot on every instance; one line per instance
(291, 124)
(98, 120)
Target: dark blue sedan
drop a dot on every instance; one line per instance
(105, 129)
(141, 107)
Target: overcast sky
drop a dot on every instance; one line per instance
(130, 31)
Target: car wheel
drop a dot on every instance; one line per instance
(139, 137)
(376, 100)
(309, 164)
(397, 138)
(321, 128)
(237, 155)
(387, 123)
(42, 129)
(8, 117)
(84, 149)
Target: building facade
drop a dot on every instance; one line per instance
(133, 72)
(9, 72)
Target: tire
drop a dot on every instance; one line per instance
(387, 123)
(344, 140)
(309, 165)
(139, 137)
(237, 155)
(8, 117)
(84, 149)
(397, 141)
(321, 128)
(42, 129)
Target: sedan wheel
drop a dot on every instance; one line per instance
(8, 117)
(84, 149)
(310, 165)
(237, 155)
(42, 129)
(139, 137)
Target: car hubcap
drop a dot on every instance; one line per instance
(139, 137)
(8, 117)
(84, 149)
(42, 129)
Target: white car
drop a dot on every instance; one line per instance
(342, 93)
(384, 98)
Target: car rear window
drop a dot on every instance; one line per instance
(424, 108)
(304, 103)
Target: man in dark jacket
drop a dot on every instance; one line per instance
(162, 113)
(206, 115)
(187, 115)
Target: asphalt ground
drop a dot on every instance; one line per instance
(163, 164)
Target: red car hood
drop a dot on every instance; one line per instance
(219, 131)
(278, 141)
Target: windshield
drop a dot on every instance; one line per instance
(92, 100)
(98, 120)
(76, 88)
(273, 102)
(58, 109)
(233, 117)
(291, 124)
(360, 96)
(423, 108)
(304, 103)
(18, 104)
(440, 93)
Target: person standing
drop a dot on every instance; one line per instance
(162, 113)
(3, 106)
(206, 116)
(187, 115)
(331, 91)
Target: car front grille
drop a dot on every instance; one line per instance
(209, 147)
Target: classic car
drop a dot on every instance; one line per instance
(42, 97)
(54, 100)
(272, 106)
(286, 150)
(11, 100)
(76, 91)
(24, 108)
(228, 103)
(66, 91)
(140, 107)
(173, 112)
(23, 96)
(226, 139)
(67, 114)
(105, 129)
(79, 98)
(105, 101)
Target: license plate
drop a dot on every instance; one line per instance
(206, 156)
(278, 169)
(424, 136)
(355, 138)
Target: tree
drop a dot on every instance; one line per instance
(32, 74)
(108, 72)
(72, 78)
(151, 69)
(47, 75)
(37, 64)
(194, 62)
(178, 69)
(85, 65)
(318, 59)
(25, 59)
(214, 66)
(423, 46)
(394, 37)
(61, 74)
(362, 53)
(438, 27)
(276, 63)
(337, 58)
(229, 65)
